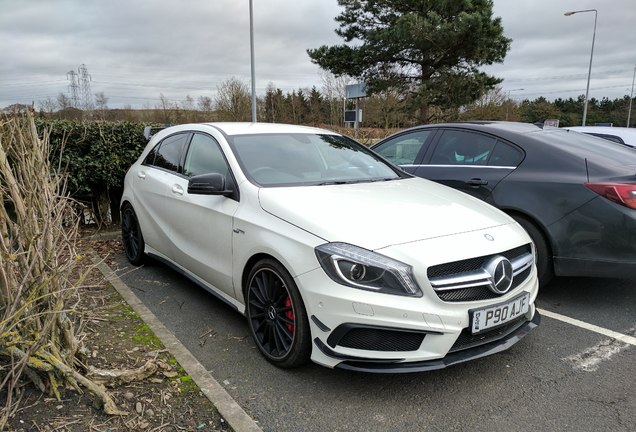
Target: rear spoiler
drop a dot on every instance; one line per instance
(149, 131)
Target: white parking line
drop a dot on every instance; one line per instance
(590, 359)
(631, 340)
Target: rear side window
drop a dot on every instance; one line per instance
(403, 149)
(167, 154)
(505, 155)
(457, 147)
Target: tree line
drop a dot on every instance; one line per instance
(325, 106)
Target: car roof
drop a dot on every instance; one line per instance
(486, 125)
(239, 128)
(246, 128)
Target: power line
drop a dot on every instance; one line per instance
(569, 76)
(570, 91)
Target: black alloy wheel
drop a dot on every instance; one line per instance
(276, 315)
(131, 236)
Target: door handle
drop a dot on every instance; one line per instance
(141, 174)
(477, 182)
(177, 190)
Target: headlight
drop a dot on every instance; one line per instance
(361, 268)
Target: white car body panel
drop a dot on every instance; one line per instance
(628, 135)
(350, 213)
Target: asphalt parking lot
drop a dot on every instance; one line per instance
(575, 372)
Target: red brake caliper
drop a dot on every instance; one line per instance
(289, 315)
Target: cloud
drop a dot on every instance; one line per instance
(137, 50)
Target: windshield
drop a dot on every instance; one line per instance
(308, 159)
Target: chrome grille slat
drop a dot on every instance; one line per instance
(467, 280)
(461, 280)
(521, 263)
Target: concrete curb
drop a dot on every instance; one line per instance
(229, 409)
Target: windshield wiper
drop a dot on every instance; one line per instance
(383, 179)
(369, 180)
(338, 182)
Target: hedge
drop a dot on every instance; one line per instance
(95, 155)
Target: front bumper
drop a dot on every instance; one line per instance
(451, 359)
(365, 331)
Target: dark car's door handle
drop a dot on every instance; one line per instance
(477, 182)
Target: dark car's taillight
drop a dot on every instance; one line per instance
(621, 193)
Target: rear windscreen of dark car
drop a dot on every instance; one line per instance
(589, 147)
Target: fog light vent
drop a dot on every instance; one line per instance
(373, 339)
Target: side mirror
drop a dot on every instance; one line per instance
(208, 184)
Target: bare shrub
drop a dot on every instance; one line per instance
(38, 287)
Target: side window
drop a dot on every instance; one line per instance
(204, 156)
(505, 155)
(462, 148)
(403, 150)
(167, 154)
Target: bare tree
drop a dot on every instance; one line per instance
(188, 103)
(494, 105)
(334, 91)
(63, 101)
(101, 104)
(205, 104)
(167, 109)
(233, 101)
(188, 109)
(48, 105)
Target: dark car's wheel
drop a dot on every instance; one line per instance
(545, 269)
(131, 236)
(276, 315)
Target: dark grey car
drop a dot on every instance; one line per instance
(575, 195)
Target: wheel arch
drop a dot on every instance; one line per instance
(543, 245)
(247, 268)
(540, 227)
(124, 203)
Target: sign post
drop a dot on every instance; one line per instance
(355, 91)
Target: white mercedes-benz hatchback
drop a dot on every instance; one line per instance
(332, 253)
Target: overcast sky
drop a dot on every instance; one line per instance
(135, 50)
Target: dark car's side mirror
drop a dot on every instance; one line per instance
(209, 184)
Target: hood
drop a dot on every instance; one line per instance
(380, 214)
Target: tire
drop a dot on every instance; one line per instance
(545, 267)
(276, 315)
(132, 238)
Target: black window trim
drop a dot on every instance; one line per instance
(179, 171)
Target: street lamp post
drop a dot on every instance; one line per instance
(631, 98)
(508, 99)
(589, 72)
(252, 63)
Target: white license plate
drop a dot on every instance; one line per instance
(494, 316)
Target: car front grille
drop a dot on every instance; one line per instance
(467, 340)
(467, 280)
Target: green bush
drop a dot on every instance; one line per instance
(95, 155)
